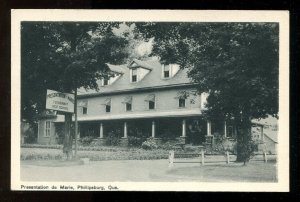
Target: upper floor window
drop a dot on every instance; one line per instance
(105, 82)
(107, 104)
(128, 106)
(47, 129)
(230, 131)
(169, 70)
(182, 96)
(166, 71)
(84, 105)
(151, 105)
(151, 101)
(84, 110)
(138, 70)
(110, 79)
(128, 103)
(181, 102)
(107, 108)
(134, 75)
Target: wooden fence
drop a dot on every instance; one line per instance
(200, 158)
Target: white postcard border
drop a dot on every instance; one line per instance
(282, 17)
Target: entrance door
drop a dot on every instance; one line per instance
(196, 131)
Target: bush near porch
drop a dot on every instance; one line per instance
(113, 154)
(99, 153)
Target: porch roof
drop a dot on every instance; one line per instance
(136, 115)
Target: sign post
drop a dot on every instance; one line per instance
(64, 102)
(76, 122)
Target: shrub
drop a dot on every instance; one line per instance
(192, 149)
(133, 153)
(42, 146)
(135, 141)
(86, 141)
(169, 145)
(247, 150)
(222, 144)
(112, 139)
(149, 144)
(30, 136)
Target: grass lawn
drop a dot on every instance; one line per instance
(135, 164)
(145, 171)
(253, 172)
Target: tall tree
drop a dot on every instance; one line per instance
(64, 56)
(236, 63)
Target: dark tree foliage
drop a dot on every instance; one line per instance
(236, 63)
(64, 56)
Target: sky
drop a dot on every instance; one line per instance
(143, 47)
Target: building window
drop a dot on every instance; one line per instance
(105, 82)
(166, 71)
(128, 106)
(107, 104)
(151, 104)
(229, 131)
(84, 110)
(134, 75)
(107, 108)
(83, 104)
(128, 103)
(151, 101)
(47, 129)
(181, 102)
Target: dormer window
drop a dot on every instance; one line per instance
(166, 71)
(110, 79)
(134, 75)
(138, 70)
(105, 82)
(169, 70)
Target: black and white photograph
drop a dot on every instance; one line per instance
(150, 100)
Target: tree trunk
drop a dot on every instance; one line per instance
(68, 140)
(244, 148)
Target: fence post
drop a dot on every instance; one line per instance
(171, 158)
(202, 156)
(227, 157)
(265, 157)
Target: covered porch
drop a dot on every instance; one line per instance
(194, 130)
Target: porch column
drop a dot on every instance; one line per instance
(183, 128)
(78, 135)
(125, 129)
(225, 129)
(208, 128)
(262, 133)
(153, 129)
(101, 130)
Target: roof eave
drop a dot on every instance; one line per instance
(137, 90)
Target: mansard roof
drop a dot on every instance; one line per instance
(152, 80)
